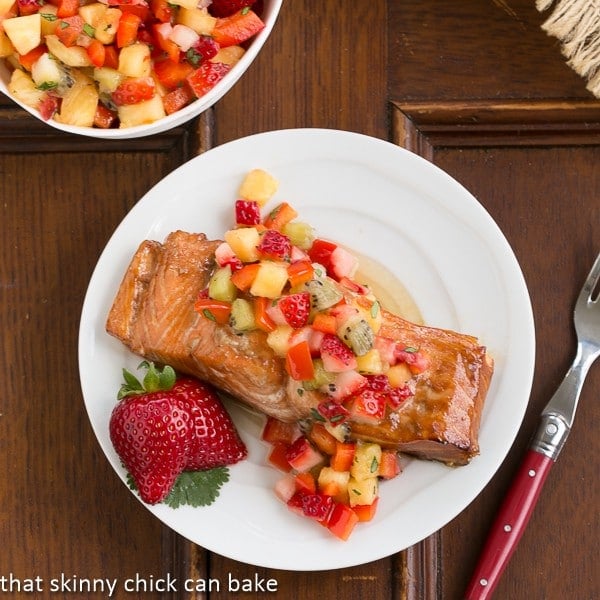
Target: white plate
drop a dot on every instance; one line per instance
(386, 203)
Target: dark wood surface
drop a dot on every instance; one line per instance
(475, 87)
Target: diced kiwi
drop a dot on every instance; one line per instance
(220, 286)
(242, 315)
(300, 234)
(357, 334)
(321, 379)
(324, 293)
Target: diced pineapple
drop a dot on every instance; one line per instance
(197, 19)
(228, 55)
(49, 19)
(243, 242)
(279, 339)
(220, 286)
(258, 185)
(46, 72)
(78, 106)
(22, 87)
(399, 375)
(5, 6)
(372, 314)
(6, 47)
(242, 315)
(72, 56)
(370, 363)
(366, 461)
(25, 33)
(141, 113)
(108, 79)
(364, 491)
(135, 60)
(107, 24)
(189, 4)
(270, 280)
(92, 13)
(334, 483)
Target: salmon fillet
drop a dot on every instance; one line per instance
(153, 315)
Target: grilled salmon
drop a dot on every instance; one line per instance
(153, 315)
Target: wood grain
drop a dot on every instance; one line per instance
(475, 87)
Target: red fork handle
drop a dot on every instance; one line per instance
(509, 525)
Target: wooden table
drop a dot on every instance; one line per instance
(475, 87)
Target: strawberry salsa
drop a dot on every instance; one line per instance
(273, 274)
(121, 63)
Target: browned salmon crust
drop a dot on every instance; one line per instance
(153, 315)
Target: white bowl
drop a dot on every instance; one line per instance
(269, 15)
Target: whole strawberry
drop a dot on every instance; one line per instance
(225, 8)
(167, 425)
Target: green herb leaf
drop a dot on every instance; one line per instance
(193, 57)
(316, 415)
(374, 465)
(88, 30)
(49, 17)
(375, 309)
(47, 85)
(411, 349)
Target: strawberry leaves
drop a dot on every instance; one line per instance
(154, 380)
(193, 488)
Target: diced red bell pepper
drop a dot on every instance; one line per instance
(278, 457)
(283, 213)
(302, 456)
(305, 482)
(27, 60)
(322, 439)
(111, 57)
(67, 8)
(170, 73)
(325, 323)
(389, 467)
(366, 512)
(214, 310)
(279, 431)
(69, 29)
(320, 252)
(97, 52)
(244, 277)
(237, 28)
(206, 76)
(162, 10)
(343, 456)
(300, 272)
(127, 30)
(298, 362)
(169, 47)
(142, 10)
(342, 521)
(104, 117)
(261, 316)
(178, 98)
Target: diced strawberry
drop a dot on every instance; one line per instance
(247, 212)
(316, 506)
(28, 7)
(342, 312)
(302, 456)
(346, 384)
(162, 31)
(224, 8)
(176, 99)
(396, 396)
(274, 245)
(206, 76)
(343, 263)
(134, 90)
(342, 521)
(111, 57)
(279, 431)
(204, 49)
(285, 488)
(185, 37)
(224, 255)
(104, 118)
(320, 252)
(416, 360)
(337, 357)
(295, 308)
(386, 348)
(48, 106)
(333, 412)
(368, 407)
(69, 29)
(353, 286)
(377, 383)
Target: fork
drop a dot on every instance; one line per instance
(552, 432)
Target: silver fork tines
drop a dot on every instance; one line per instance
(557, 417)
